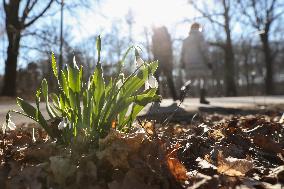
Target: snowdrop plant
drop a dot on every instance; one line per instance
(8, 125)
(151, 81)
(89, 109)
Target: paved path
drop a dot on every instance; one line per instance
(189, 105)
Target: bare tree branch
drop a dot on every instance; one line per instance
(33, 48)
(39, 15)
(25, 12)
(204, 14)
(218, 44)
(5, 5)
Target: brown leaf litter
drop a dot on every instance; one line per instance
(218, 151)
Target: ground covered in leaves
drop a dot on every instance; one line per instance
(208, 151)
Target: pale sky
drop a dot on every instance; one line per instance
(146, 14)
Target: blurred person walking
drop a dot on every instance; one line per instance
(162, 51)
(194, 60)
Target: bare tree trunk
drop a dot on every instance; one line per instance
(9, 87)
(269, 89)
(230, 70)
(15, 23)
(229, 57)
(262, 15)
(14, 35)
(247, 74)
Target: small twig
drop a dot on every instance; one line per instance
(183, 91)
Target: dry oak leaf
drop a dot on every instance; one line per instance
(233, 166)
(176, 168)
(267, 144)
(149, 128)
(61, 168)
(116, 147)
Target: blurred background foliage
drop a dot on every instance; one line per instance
(245, 40)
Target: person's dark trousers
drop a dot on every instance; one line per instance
(171, 85)
(157, 76)
(202, 96)
(170, 82)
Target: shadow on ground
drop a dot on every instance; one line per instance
(175, 113)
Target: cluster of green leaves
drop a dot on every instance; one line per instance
(89, 109)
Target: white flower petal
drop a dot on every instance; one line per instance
(75, 63)
(147, 85)
(11, 125)
(8, 126)
(4, 126)
(62, 124)
(89, 83)
(281, 119)
(153, 82)
(119, 84)
(70, 125)
(74, 60)
(139, 62)
(34, 139)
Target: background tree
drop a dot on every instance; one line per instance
(262, 15)
(222, 16)
(17, 20)
(115, 44)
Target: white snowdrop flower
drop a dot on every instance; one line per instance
(89, 83)
(119, 84)
(8, 125)
(74, 60)
(33, 135)
(147, 85)
(11, 125)
(281, 119)
(69, 123)
(62, 124)
(75, 63)
(139, 61)
(151, 82)
(4, 126)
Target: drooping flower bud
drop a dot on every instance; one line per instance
(139, 61)
(119, 83)
(8, 124)
(75, 63)
(151, 82)
(62, 124)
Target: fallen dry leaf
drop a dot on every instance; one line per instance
(87, 173)
(233, 166)
(216, 134)
(267, 144)
(176, 168)
(117, 146)
(139, 159)
(134, 178)
(28, 177)
(61, 168)
(149, 128)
